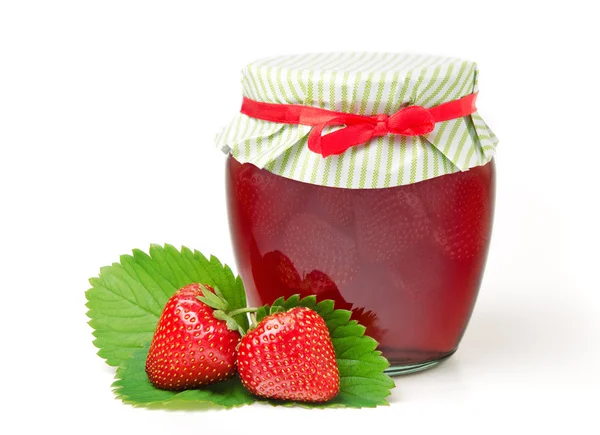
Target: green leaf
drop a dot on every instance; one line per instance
(360, 364)
(133, 387)
(127, 298)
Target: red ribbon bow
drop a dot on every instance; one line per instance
(358, 129)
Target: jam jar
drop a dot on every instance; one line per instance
(390, 219)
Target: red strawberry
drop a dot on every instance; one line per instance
(289, 356)
(190, 347)
(267, 200)
(388, 221)
(313, 244)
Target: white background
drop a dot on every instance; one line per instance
(108, 112)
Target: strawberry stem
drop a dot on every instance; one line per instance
(228, 317)
(253, 322)
(242, 310)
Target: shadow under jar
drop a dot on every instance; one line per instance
(407, 260)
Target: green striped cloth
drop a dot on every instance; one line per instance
(365, 84)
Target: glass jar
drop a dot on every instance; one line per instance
(407, 260)
(399, 235)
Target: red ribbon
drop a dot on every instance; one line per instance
(358, 129)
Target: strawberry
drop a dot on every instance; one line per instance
(267, 200)
(289, 356)
(191, 347)
(313, 244)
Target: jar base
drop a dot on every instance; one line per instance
(400, 368)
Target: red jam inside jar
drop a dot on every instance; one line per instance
(407, 260)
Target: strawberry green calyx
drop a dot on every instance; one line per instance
(215, 300)
(271, 310)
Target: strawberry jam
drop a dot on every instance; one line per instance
(407, 261)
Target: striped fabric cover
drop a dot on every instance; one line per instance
(366, 84)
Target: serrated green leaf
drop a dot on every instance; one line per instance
(127, 298)
(133, 387)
